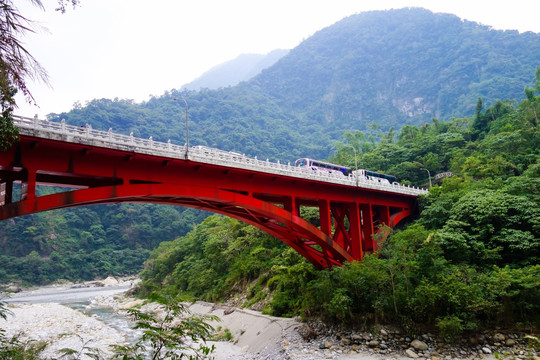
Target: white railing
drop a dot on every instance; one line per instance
(108, 139)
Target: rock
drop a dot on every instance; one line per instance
(384, 332)
(110, 281)
(373, 343)
(228, 311)
(14, 289)
(356, 338)
(132, 304)
(307, 332)
(486, 350)
(481, 339)
(510, 342)
(419, 345)
(411, 354)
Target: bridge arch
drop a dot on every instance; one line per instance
(305, 238)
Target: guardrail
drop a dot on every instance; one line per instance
(108, 139)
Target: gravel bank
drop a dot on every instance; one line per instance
(56, 325)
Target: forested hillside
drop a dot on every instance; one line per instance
(88, 242)
(360, 81)
(470, 261)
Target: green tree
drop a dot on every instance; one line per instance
(173, 333)
(488, 227)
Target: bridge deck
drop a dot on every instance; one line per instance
(108, 139)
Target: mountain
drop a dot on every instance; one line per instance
(369, 71)
(401, 66)
(232, 72)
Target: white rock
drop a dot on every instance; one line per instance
(110, 281)
(419, 345)
(411, 354)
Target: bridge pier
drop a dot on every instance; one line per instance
(367, 229)
(28, 185)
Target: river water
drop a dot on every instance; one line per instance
(64, 295)
(80, 298)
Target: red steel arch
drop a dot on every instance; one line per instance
(349, 216)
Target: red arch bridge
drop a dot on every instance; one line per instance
(104, 167)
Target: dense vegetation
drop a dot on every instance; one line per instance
(469, 261)
(84, 243)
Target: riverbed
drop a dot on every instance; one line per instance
(77, 316)
(89, 316)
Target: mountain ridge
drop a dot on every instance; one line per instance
(230, 73)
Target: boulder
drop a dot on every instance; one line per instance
(110, 281)
(14, 289)
(411, 354)
(419, 345)
(510, 342)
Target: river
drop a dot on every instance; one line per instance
(66, 295)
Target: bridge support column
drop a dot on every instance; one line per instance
(367, 228)
(325, 217)
(28, 187)
(384, 214)
(292, 206)
(355, 232)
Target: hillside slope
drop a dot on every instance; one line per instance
(400, 66)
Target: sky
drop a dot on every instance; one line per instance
(134, 49)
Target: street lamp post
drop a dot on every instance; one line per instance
(187, 128)
(429, 175)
